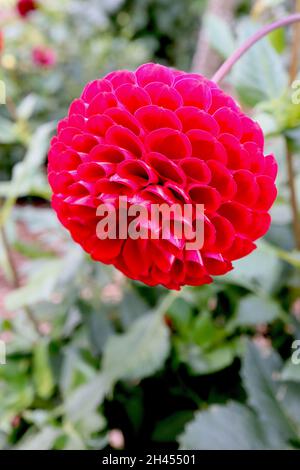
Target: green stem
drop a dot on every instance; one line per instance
(168, 302)
(16, 279)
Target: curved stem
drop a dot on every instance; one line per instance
(15, 277)
(294, 65)
(229, 63)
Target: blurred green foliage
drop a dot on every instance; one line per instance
(206, 368)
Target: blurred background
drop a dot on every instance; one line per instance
(94, 360)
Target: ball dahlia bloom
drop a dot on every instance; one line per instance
(24, 7)
(161, 135)
(43, 57)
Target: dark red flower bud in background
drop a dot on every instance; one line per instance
(43, 57)
(24, 7)
(160, 135)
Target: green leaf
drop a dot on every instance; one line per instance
(81, 415)
(42, 440)
(139, 352)
(255, 310)
(42, 373)
(38, 288)
(4, 262)
(168, 429)
(202, 362)
(182, 316)
(31, 250)
(277, 39)
(86, 398)
(16, 391)
(27, 106)
(219, 35)
(7, 131)
(204, 331)
(37, 417)
(75, 371)
(260, 271)
(131, 308)
(270, 398)
(230, 427)
(25, 172)
(99, 328)
(268, 79)
(291, 257)
(291, 372)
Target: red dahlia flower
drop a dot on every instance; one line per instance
(25, 7)
(43, 57)
(160, 135)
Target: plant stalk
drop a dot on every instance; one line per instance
(229, 63)
(294, 66)
(16, 279)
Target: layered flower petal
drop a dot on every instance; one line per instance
(166, 137)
